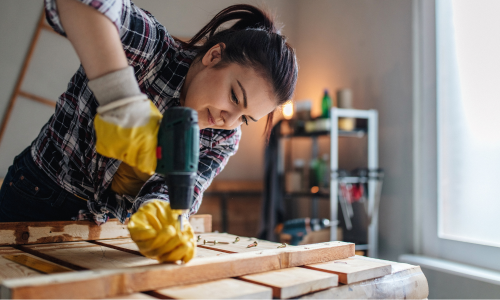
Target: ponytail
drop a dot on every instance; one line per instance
(252, 41)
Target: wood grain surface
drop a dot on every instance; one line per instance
(20, 233)
(293, 282)
(128, 245)
(354, 269)
(10, 269)
(90, 256)
(234, 247)
(406, 282)
(218, 289)
(115, 276)
(23, 233)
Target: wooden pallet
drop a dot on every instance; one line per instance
(109, 268)
(21, 233)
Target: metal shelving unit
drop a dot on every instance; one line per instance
(371, 131)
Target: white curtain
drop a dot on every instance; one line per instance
(468, 99)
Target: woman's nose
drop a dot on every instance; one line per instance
(230, 118)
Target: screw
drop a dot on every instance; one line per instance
(199, 238)
(237, 239)
(254, 244)
(282, 245)
(215, 242)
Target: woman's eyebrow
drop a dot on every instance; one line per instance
(245, 98)
(244, 95)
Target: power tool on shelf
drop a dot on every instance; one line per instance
(298, 228)
(177, 155)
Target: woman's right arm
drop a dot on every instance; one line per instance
(94, 37)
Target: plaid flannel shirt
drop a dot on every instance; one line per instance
(65, 148)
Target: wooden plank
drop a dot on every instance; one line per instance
(354, 269)
(126, 245)
(10, 269)
(201, 223)
(219, 289)
(129, 245)
(407, 282)
(37, 264)
(293, 282)
(124, 281)
(89, 256)
(238, 247)
(19, 233)
(205, 253)
(23, 233)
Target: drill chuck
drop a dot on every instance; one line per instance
(180, 190)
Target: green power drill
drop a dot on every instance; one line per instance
(177, 154)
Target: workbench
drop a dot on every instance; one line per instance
(78, 259)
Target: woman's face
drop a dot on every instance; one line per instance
(226, 97)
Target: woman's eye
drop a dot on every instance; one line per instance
(233, 96)
(244, 120)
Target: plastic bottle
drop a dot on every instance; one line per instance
(326, 104)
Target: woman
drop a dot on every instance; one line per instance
(76, 168)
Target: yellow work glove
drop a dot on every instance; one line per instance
(128, 130)
(156, 231)
(127, 123)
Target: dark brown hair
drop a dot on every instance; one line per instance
(253, 40)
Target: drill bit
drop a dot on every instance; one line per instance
(181, 222)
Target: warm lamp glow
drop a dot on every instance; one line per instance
(314, 189)
(288, 110)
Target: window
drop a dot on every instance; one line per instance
(468, 120)
(456, 131)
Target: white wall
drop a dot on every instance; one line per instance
(365, 45)
(52, 65)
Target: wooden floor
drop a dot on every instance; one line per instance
(114, 268)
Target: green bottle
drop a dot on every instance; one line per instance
(326, 104)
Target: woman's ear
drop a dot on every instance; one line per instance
(213, 55)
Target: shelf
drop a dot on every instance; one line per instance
(307, 194)
(366, 124)
(358, 133)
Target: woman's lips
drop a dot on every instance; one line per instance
(211, 119)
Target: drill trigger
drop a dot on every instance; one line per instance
(158, 152)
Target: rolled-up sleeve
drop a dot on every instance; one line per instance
(114, 10)
(216, 147)
(142, 36)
